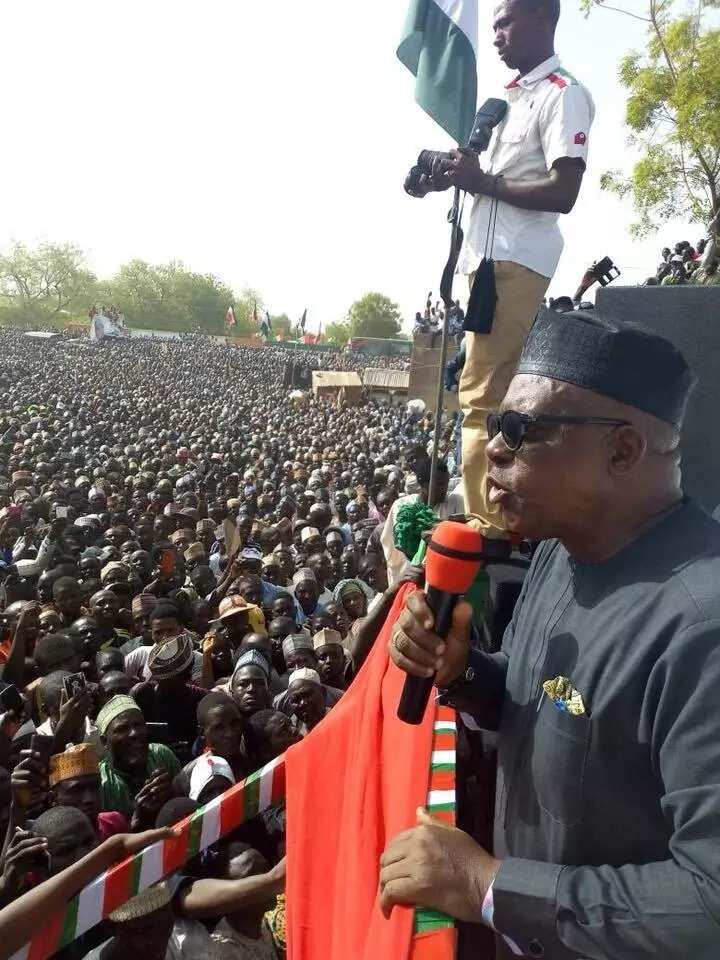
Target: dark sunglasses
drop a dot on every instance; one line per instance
(514, 425)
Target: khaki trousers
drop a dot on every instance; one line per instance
(489, 367)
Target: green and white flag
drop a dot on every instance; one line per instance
(439, 47)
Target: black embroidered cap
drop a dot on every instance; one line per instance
(625, 361)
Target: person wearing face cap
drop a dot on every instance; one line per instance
(331, 659)
(250, 683)
(603, 695)
(299, 653)
(306, 702)
(170, 696)
(307, 592)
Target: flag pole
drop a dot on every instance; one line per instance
(446, 294)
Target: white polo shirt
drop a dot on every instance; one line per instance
(549, 117)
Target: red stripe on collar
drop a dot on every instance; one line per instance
(554, 78)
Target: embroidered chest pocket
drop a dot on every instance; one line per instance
(561, 742)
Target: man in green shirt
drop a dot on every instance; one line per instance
(136, 776)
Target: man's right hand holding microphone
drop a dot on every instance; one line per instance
(419, 652)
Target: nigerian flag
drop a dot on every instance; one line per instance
(439, 46)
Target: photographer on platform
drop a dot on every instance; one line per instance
(532, 172)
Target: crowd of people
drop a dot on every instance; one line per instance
(431, 319)
(347, 359)
(685, 264)
(193, 566)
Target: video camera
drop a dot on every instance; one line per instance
(602, 271)
(490, 114)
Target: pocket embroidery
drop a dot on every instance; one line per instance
(564, 696)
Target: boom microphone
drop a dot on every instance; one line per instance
(454, 556)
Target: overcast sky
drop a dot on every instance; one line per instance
(267, 143)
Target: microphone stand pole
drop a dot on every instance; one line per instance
(446, 294)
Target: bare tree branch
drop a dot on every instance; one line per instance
(628, 13)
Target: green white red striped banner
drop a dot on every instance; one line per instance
(215, 820)
(206, 826)
(441, 797)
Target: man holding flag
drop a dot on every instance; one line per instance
(531, 173)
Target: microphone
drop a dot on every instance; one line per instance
(454, 555)
(490, 114)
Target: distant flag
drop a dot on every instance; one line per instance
(268, 320)
(230, 320)
(303, 320)
(319, 334)
(255, 316)
(439, 47)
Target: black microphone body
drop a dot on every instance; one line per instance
(417, 690)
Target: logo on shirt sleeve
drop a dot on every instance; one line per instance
(580, 139)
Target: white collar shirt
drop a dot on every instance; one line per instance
(549, 117)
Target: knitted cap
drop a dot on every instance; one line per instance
(142, 604)
(111, 568)
(346, 587)
(304, 673)
(196, 551)
(308, 533)
(113, 709)
(77, 761)
(296, 641)
(625, 361)
(327, 637)
(145, 903)
(253, 658)
(303, 575)
(171, 658)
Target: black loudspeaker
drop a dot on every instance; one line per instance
(690, 318)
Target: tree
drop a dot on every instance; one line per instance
(338, 333)
(39, 285)
(246, 305)
(673, 112)
(281, 326)
(374, 315)
(169, 296)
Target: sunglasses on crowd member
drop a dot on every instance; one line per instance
(514, 426)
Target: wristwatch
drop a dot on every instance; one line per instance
(466, 677)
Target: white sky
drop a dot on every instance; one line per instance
(267, 142)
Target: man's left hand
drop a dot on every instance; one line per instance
(437, 867)
(462, 170)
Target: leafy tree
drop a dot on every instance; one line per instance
(337, 333)
(169, 296)
(673, 112)
(37, 286)
(281, 326)
(374, 315)
(246, 305)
